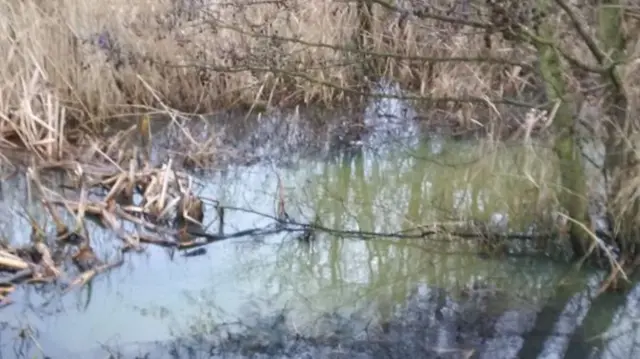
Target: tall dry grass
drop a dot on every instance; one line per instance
(81, 62)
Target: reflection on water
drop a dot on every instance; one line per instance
(495, 308)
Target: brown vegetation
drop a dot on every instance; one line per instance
(72, 66)
(70, 63)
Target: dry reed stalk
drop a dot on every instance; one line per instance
(164, 195)
(12, 261)
(47, 260)
(87, 61)
(87, 276)
(599, 243)
(169, 194)
(165, 185)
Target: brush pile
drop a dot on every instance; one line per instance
(140, 204)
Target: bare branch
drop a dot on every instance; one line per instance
(351, 91)
(427, 15)
(531, 37)
(582, 31)
(354, 50)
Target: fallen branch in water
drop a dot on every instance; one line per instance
(87, 276)
(138, 215)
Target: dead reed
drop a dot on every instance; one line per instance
(164, 196)
(71, 64)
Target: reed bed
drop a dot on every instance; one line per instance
(74, 65)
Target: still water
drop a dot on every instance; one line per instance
(543, 308)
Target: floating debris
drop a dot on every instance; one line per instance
(195, 252)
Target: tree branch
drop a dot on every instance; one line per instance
(388, 55)
(582, 31)
(356, 92)
(426, 15)
(570, 58)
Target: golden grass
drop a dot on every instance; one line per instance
(77, 61)
(68, 62)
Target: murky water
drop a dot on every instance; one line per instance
(382, 185)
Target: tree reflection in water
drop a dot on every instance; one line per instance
(478, 322)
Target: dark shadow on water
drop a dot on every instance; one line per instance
(478, 322)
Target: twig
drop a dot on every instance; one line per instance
(582, 31)
(599, 243)
(85, 277)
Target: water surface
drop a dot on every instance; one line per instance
(383, 183)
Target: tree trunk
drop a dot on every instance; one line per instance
(573, 191)
(621, 160)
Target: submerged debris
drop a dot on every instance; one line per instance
(160, 201)
(195, 252)
(150, 197)
(162, 205)
(85, 259)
